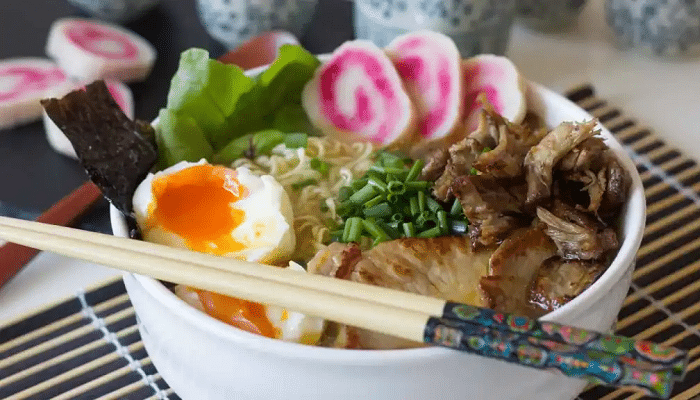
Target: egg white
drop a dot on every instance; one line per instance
(266, 231)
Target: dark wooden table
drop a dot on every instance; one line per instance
(32, 175)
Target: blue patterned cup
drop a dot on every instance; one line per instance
(233, 22)
(476, 26)
(549, 15)
(119, 11)
(664, 27)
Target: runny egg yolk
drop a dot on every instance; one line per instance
(246, 315)
(195, 203)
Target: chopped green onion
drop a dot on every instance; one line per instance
(373, 229)
(415, 170)
(374, 201)
(355, 229)
(413, 204)
(393, 232)
(320, 166)
(416, 185)
(344, 193)
(396, 187)
(346, 208)
(442, 222)
(408, 229)
(456, 208)
(433, 205)
(390, 160)
(346, 231)
(474, 171)
(397, 217)
(359, 183)
(392, 198)
(304, 183)
(486, 149)
(458, 227)
(382, 210)
(421, 202)
(296, 140)
(387, 170)
(363, 195)
(430, 233)
(425, 217)
(377, 182)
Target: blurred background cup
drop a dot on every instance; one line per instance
(233, 22)
(476, 26)
(119, 11)
(663, 27)
(549, 15)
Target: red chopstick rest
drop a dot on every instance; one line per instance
(66, 213)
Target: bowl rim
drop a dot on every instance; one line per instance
(622, 262)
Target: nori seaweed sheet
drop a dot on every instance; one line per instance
(116, 152)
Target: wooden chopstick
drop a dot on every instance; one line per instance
(66, 212)
(289, 289)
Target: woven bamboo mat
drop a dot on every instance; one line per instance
(88, 346)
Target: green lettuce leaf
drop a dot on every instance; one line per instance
(292, 118)
(206, 90)
(284, 81)
(249, 145)
(179, 138)
(214, 108)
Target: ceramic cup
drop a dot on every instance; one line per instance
(664, 27)
(233, 22)
(476, 26)
(549, 15)
(119, 11)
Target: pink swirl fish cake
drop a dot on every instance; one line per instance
(430, 66)
(496, 78)
(25, 81)
(91, 49)
(358, 94)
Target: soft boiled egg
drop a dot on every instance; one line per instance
(216, 210)
(267, 320)
(232, 213)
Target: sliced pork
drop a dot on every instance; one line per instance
(444, 267)
(541, 159)
(558, 281)
(358, 95)
(575, 238)
(512, 269)
(511, 144)
(493, 207)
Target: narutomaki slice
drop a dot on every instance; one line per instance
(358, 93)
(498, 79)
(90, 50)
(25, 81)
(58, 140)
(430, 66)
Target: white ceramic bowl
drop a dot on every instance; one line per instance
(203, 358)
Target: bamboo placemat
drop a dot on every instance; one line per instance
(88, 346)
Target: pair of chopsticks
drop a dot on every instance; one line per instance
(599, 358)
